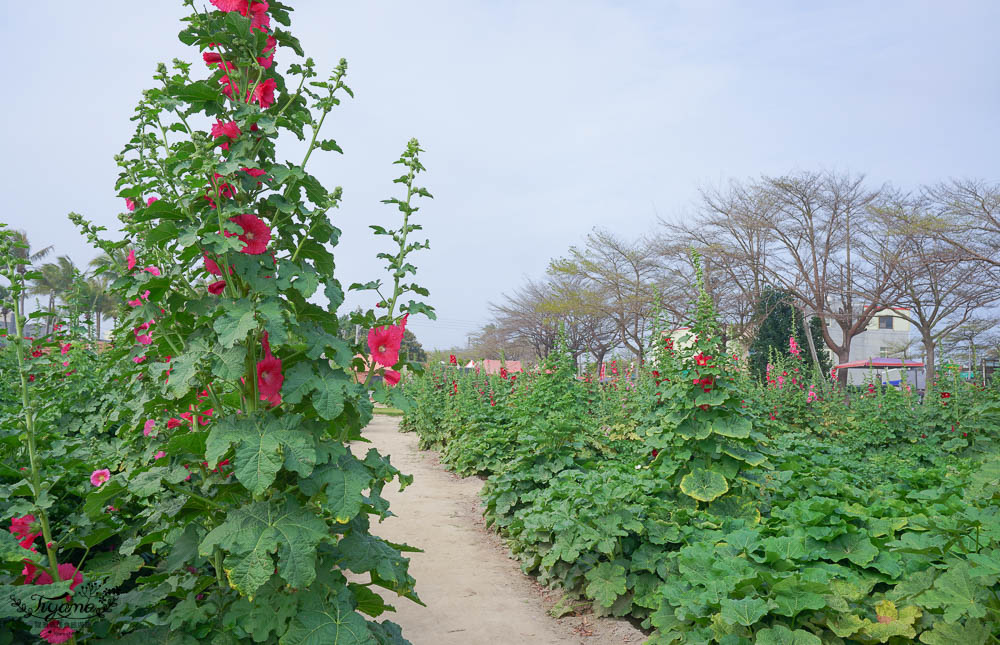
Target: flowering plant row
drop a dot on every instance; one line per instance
(719, 515)
(222, 498)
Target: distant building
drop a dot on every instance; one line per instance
(886, 336)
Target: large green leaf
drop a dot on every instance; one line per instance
(704, 485)
(263, 444)
(781, 635)
(957, 593)
(319, 623)
(329, 397)
(855, 547)
(745, 611)
(254, 532)
(607, 582)
(972, 632)
(235, 323)
(345, 481)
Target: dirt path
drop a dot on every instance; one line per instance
(475, 593)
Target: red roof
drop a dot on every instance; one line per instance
(880, 362)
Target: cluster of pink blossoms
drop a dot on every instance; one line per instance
(26, 530)
(384, 343)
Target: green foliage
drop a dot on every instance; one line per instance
(232, 511)
(780, 322)
(747, 513)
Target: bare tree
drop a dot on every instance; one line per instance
(830, 257)
(625, 274)
(731, 232)
(939, 288)
(966, 214)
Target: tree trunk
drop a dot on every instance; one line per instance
(97, 325)
(929, 372)
(843, 355)
(600, 359)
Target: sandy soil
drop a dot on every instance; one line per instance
(475, 593)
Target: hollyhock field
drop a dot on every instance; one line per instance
(710, 508)
(204, 476)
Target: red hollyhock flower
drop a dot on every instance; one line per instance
(701, 359)
(211, 58)
(256, 234)
(66, 572)
(269, 376)
(173, 423)
(229, 86)
(131, 259)
(253, 172)
(503, 372)
(384, 342)
(217, 288)
(452, 359)
(21, 528)
(54, 633)
(229, 130)
(946, 395)
(263, 93)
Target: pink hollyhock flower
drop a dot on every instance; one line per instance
(231, 5)
(129, 203)
(263, 93)
(98, 477)
(131, 259)
(217, 288)
(54, 634)
(392, 377)
(65, 348)
(229, 87)
(159, 455)
(149, 202)
(229, 130)
(258, 16)
(65, 363)
(187, 416)
(138, 359)
(253, 172)
(384, 342)
(265, 61)
(255, 235)
(173, 423)
(271, 43)
(144, 339)
(21, 528)
(211, 58)
(148, 427)
(66, 572)
(155, 271)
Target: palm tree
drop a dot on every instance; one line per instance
(111, 266)
(55, 280)
(24, 253)
(95, 298)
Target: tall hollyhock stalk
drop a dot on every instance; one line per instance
(17, 279)
(239, 482)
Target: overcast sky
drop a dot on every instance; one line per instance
(541, 119)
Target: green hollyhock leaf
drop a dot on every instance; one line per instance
(252, 533)
(274, 321)
(957, 594)
(735, 427)
(695, 430)
(855, 547)
(607, 582)
(271, 611)
(745, 611)
(781, 635)
(235, 323)
(344, 482)
(794, 595)
(844, 625)
(329, 397)
(360, 552)
(182, 370)
(972, 632)
(300, 380)
(704, 485)
(323, 623)
(12, 551)
(368, 601)
(263, 444)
